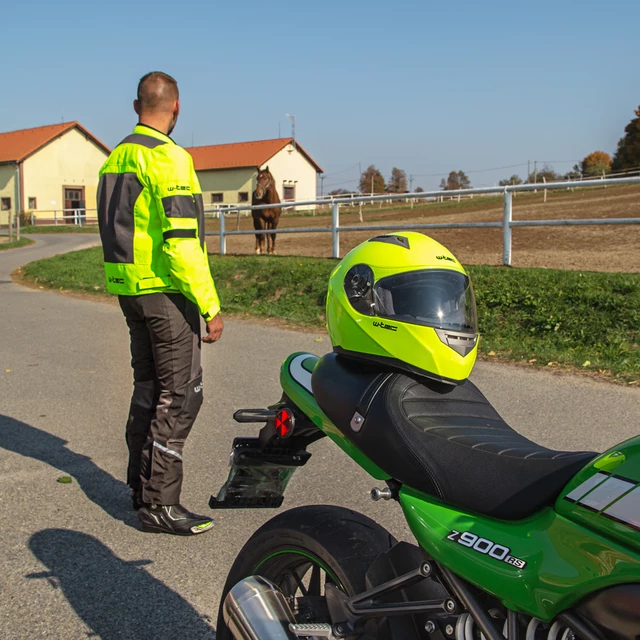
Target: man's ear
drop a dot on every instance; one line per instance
(177, 106)
(136, 107)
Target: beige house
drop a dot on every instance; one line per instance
(49, 169)
(228, 172)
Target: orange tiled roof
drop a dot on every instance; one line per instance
(15, 146)
(242, 154)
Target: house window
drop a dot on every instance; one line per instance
(33, 204)
(5, 204)
(243, 196)
(216, 197)
(289, 192)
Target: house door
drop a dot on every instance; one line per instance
(74, 199)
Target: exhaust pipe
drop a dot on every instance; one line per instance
(255, 609)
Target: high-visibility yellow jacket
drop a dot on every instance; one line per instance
(151, 218)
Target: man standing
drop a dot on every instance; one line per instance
(151, 217)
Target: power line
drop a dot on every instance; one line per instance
(435, 175)
(441, 173)
(510, 166)
(337, 184)
(558, 161)
(333, 173)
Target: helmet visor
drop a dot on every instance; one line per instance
(438, 298)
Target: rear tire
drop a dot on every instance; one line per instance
(300, 548)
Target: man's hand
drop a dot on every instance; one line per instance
(214, 329)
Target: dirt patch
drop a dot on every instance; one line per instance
(593, 248)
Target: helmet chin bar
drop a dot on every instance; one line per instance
(460, 342)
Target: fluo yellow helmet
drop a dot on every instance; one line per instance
(404, 300)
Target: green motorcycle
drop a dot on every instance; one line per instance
(514, 540)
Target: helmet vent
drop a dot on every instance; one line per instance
(400, 241)
(462, 343)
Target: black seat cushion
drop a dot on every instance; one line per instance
(444, 440)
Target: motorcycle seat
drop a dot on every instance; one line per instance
(444, 440)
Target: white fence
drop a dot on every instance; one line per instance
(81, 217)
(507, 223)
(78, 217)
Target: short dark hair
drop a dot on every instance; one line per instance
(157, 90)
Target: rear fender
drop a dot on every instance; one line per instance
(295, 378)
(262, 466)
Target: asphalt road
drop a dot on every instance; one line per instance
(73, 563)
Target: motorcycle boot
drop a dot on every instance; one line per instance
(175, 519)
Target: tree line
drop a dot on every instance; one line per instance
(595, 164)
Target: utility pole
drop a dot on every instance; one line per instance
(322, 185)
(293, 128)
(535, 171)
(528, 169)
(372, 183)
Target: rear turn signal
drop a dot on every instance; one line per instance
(284, 423)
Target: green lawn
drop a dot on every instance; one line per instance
(585, 320)
(23, 242)
(61, 228)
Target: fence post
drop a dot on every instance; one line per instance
(33, 219)
(55, 218)
(335, 223)
(506, 229)
(223, 237)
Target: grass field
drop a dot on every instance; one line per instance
(15, 244)
(61, 228)
(581, 320)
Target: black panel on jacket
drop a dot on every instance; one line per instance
(445, 440)
(146, 141)
(117, 195)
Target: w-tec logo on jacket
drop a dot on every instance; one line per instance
(197, 388)
(184, 187)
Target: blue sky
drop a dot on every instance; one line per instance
(425, 86)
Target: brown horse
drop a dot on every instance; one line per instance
(265, 193)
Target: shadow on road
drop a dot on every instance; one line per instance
(100, 487)
(114, 598)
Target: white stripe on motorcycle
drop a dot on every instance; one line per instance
(606, 493)
(582, 490)
(627, 509)
(299, 373)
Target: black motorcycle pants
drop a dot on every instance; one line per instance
(167, 391)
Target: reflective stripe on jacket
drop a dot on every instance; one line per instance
(151, 218)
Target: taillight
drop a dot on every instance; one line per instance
(284, 423)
